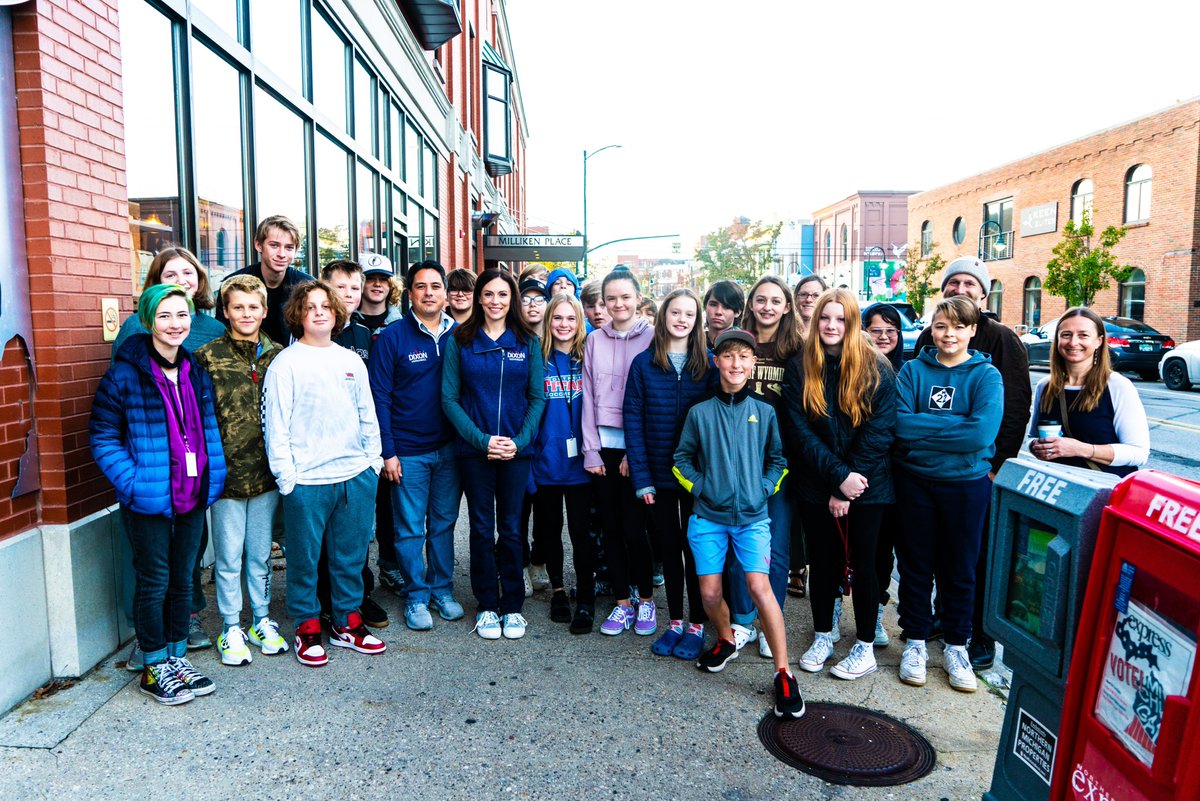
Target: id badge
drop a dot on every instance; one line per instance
(572, 448)
(189, 459)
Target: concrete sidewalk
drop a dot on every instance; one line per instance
(446, 715)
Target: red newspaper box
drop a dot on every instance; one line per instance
(1131, 722)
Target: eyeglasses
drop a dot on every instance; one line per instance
(459, 291)
(533, 300)
(890, 333)
(807, 295)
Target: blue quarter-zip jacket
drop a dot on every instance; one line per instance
(562, 420)
(656, 404)
(493, 388)
(406, 382)
(947, 418)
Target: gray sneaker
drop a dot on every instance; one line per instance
(196, 636)
(417, 617)
(881, 635)
(136, 661)
(448, 608)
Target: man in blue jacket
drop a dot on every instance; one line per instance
(418, 452)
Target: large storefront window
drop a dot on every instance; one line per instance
(333, 203)
(222, 12)
(365, 208)
(329, 71)
(275, 37)
(152, 170)
(217, 137)
(279, 162)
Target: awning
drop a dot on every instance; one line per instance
(435, 22)
(533, 247)
(493, 57)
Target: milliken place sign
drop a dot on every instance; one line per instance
(533, 247)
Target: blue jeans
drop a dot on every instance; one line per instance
(341, 516)
(741, 605)
(164, 552)
(425, 509)
(495, 491)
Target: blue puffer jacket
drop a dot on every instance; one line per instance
(656, 404)
(128, 431)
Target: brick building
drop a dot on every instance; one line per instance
(390, 127)
(1143, 174)
(857, 241)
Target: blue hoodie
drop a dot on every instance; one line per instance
(562, 420)
(406, 382)
(947, 418)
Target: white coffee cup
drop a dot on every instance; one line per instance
(1048, 430)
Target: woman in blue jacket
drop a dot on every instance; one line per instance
(558, 465)
(665, 381)
(154, 435)
(949, 405)
(493, 394)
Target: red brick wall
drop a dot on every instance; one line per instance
(69, 108)
(19, 514)
(1168, 141)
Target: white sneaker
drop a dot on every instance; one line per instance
(487, 625)
(881, 635)
(858, 663)
(958, 668)
(232, 645)
(743, 635)
(821, 649)
(538, 577)
(764, 648)
(514, 626)
(837, 620)
(912, 663)
(528, 583)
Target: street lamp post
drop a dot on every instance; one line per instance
(587, 156)
(865, 292)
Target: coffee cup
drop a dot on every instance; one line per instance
(1047, 430)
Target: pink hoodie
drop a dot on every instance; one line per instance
(606, 360)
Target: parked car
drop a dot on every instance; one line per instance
(1133, 346)
(909, 330)
(1180, 369)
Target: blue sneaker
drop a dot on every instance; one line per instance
(448, 608)
(690, 644)
(417, 617)
(665, 644)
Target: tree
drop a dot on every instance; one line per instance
(739, 252)
(920, 276)
(1078, 271)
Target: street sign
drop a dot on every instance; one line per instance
(1041, 219)
(533, 247)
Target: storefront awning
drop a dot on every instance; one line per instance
(435, 22)
(533, 247)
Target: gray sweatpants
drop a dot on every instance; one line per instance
(241, 535)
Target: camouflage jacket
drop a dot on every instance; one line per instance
(237, 377)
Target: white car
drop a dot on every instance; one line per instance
(1180, 369)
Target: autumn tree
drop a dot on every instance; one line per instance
(740, 252)
(920, 275)
(1078, 271)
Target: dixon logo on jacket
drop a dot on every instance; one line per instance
(515, 355)
(941, 398)
(417, 356)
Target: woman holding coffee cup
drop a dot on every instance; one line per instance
(1085, 414)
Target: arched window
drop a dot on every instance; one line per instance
(926, 238)
(1137, 193)
(1032, 316)
(995, 297)
(1132, 296)
(845, 242)
(1081, 199)
(960, 230)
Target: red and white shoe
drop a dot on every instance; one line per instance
(356, 636)
(309, 650)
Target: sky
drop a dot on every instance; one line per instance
(772, 109)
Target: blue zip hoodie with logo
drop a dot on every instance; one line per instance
(562, 421)
(947, 418)
(493, 388)
(406, 382)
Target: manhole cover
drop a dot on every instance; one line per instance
(848, 745)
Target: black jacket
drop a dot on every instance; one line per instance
(826, 450)
(1012, 360)
(273, 323)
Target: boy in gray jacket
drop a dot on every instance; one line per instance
(730, 457)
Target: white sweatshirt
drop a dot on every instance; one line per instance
(319, 417)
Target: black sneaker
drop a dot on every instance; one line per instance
(789, 703)
(161, 683)
(716, 658)
(193, 679)
(560, 607)
(374, 615)
(982, 650)
(393, 581)
(584, 620)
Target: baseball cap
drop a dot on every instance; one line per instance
(375, 264)
(734, 335)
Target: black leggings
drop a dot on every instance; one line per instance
(885, 555)
(547, 530)
(827, 557)
(670, 512)
(625, 540)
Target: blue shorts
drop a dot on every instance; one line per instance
(710, 544)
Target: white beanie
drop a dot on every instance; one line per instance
(972, 267)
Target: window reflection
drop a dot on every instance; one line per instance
(382, 133)
(412, 158)
(328, 71)
(222, 12)
(279, 159)
(333, 201)
(397, 161)
(275, 37)
(218, 151)
(399, 230)
(151, 168)
(430, 176)
(383, 214)
(430, 236)
(363, 92)
(365, 208)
